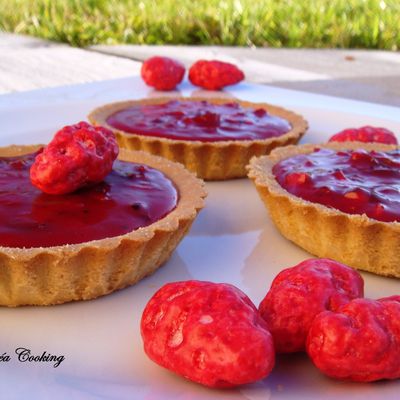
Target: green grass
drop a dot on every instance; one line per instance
(372, 24)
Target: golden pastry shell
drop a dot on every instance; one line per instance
(58, 274)
(356, 240)
(209, 160)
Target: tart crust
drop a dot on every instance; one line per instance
(356, 240)
(209, 160)
(58, 274)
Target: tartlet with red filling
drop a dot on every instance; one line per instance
(337, 200)
(215, 138)
(100, 238)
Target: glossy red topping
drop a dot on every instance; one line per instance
(199, 120)
(365, 134)
(352, 181)
(131, 196)
(77, 156)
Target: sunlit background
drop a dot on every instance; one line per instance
(370, 24)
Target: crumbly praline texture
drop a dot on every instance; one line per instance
(209, 160)
(355, 240)
(54, 275)
(186, 328)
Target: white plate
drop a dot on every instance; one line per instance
(233, 240)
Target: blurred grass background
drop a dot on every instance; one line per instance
(371, 24)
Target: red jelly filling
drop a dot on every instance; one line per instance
(199, 120)
(130, 197)
(353, 181)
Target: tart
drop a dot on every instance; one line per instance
(59, 248)
(213, 138)
(337, 200)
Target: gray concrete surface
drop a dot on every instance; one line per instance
(356, 74)
(28, 63)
